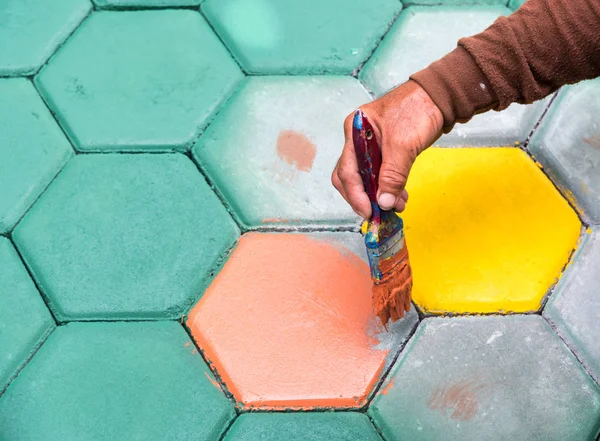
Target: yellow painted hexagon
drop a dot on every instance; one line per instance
(486, 231)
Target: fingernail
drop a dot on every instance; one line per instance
(387, 201)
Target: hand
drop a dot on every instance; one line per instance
(406, 121)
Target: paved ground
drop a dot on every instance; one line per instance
(174, 264)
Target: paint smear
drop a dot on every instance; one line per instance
(274, 220)
(593, 140)
(389, 386)
(213, 381)
(286, 324)
(296, 149)
(187, 344)
(458, 401)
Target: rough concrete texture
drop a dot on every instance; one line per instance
(420, 36)
(116, 4)
(115, 381)
(125, 236)
(287, 36)
(24, 319)
(567, 144)
(271, 151)
(32, 149)
(31, 30)
(341, 426)
(478, 234)
(137, 81)
(574, 308)
(283, 291)
(492, 378)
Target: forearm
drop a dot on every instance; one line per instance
(521, 58)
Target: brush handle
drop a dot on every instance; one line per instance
(368, 155)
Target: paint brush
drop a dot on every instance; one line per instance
(384, 236)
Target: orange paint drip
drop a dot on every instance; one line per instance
(288, 323)
(296, 149)
(213, 381)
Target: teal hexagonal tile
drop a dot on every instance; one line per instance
(330, 426)
(492, 378)
(108, 381)
(32, 149)
(515, 4)
(422, 35)
(271, 151)
(31, 30)
(287, 36)
(138, 80)
(24, 319)
(567, 144)
(127, 4)
(574, 308)
(454, 2)
(125, 236)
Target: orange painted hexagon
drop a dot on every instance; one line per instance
(486, 231)
(288, 323)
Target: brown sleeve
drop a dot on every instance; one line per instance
(521, 58)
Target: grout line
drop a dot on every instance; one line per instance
(43, 296)
(379, 432)
(132, 8)
(231, 423)
(119, 320)
(539, 121)
(35, 350)
(573, 352)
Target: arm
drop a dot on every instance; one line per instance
(521, 58)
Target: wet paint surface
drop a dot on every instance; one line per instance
(486, 231)
(288, 323)
(487, 378)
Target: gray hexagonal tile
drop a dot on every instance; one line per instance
(138, 80)
(272, 149)
(422, 35)
(125, 236)
(567, 144)
(492, 378)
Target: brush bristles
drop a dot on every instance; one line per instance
(392, 295)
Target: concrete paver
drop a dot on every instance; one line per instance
(125, 237)
(113, 381)
(492, 378)
(138, 80)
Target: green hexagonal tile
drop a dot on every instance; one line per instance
(454, 2)
(31, 30)
(272, 149)
(32, 149)
(138, 80)
(422, 35)
(24, 319)
(339, 426)
(126, 4)
(492, 378)
(109, 381)
(125, 236)
(288, 36)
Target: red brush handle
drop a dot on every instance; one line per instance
(368, 155)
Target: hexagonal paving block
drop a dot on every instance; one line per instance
(117, 4)
(31, 30)
(422, 35)
(575, 306)
(143, 80)
(24, 319)
(313, 426)
(286, 36)
(567, 143)
(454, 2)
(492, 378)
(125, 236)
(486, 231)
(271, 151)
(288, 323)
(107, 381)
(32, 149)
(515, 4)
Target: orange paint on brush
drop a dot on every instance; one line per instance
(296, 149)
(288, 323)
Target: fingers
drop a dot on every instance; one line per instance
(392, 194)
(346, 177)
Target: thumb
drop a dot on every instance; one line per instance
(392, 183)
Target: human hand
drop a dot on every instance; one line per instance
(406, 121)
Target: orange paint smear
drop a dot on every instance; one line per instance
(274, 220)
(296, 149)
(187, 344)
(389, 386)
(288, 324)
(213, 381)
(458, 401)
